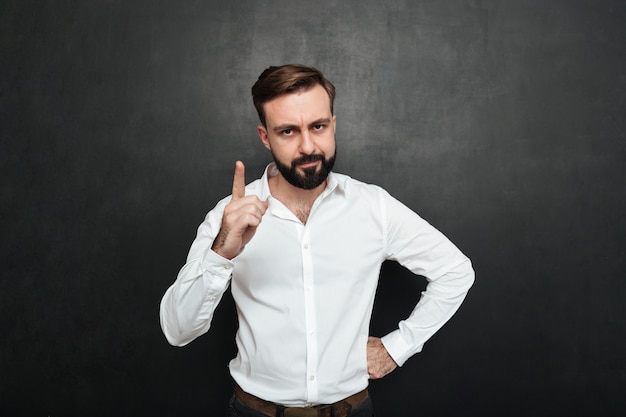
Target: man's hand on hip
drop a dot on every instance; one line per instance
(379, 362)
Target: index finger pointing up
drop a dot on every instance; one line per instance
(239, 181)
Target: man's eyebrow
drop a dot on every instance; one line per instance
(280, 128)
(287, 126)
(322, 121)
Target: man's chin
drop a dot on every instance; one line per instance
(307, 180)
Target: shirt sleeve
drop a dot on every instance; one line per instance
(418, 246)
(188, 305)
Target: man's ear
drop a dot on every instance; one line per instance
(262, 131)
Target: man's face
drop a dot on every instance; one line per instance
(300, 133)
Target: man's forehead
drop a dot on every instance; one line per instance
(310, 104)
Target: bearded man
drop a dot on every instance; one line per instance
(301, 249)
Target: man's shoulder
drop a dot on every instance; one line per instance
(353, 182)
(357, 187)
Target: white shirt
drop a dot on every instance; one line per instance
(305, 292)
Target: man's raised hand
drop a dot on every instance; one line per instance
(239, 181)
(241, 218)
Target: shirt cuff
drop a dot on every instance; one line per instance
(219, 270)
(398, 349)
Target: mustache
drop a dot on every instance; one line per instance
(307, 158)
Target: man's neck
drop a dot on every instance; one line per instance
(298, 200)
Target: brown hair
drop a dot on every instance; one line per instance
(277, 81)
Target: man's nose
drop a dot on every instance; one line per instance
(307, 145)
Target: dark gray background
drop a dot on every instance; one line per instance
(502, 123)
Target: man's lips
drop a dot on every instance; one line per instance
(306, 165)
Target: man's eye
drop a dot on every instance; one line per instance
(287, 132)
(318, 127)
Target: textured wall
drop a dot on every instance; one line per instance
(502, 123)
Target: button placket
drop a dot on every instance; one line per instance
(310, 314)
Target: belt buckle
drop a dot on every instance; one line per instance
(300, 412)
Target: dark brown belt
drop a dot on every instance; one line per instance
(339, 409)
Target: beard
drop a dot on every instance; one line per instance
(311, 178)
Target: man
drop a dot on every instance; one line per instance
(302, 249)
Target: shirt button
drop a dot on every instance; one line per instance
(311, 377)
(306, 246)
(226, 266)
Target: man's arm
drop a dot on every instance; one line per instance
(187, 307)
(425, 251)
